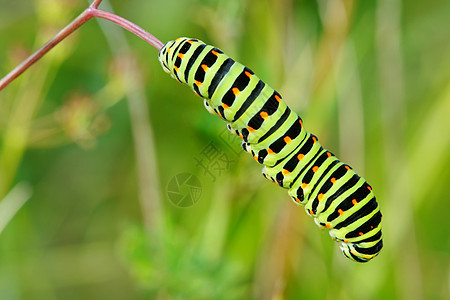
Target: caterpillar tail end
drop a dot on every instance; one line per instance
(352, 252)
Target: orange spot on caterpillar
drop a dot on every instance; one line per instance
(236, 91)
(215, 53)
(225, 106)
(249, 75)
(346, 241)
(251, 129)
(300, 121)
(270, 151)
(204, 67)
(287, 139)
(347, 167)
(277, 98)
(314, 139)
(328, 225)
(329, 154)
(369, 188)
(198, 83)
(371, 227)
(304, 185)
(255, 157)
(333, 180)
(340, 211)
(263, 115)
(354, 202)
(300, 156)
(311, 212)
(320, 197)
(297, 200)
(285, 172)
(360, 233)
(176, 68)
(315, 168)
(180, 55)
(168, 50)
(190, 42)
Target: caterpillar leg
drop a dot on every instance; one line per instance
(208, 107)
(233, 131)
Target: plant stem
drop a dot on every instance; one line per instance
(133, 28)
(74, 25)
(85, 16)
(96, 3)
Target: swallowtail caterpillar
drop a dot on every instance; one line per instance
(331, 192)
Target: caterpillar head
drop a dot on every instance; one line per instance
(169, 56)
(164, 57)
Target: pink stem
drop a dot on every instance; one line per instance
(74, 25)
(96, 3)
(133, 28)
(85, 16)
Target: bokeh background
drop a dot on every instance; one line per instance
(94, 138)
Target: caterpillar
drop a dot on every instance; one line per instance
(331, 192)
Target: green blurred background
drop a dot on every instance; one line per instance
(93, 134)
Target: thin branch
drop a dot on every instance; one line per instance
(131, 27)
(74, 25)
(95, 4)
(85, 16)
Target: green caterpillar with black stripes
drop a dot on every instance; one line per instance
(330, 190)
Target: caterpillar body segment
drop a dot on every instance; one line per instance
(331, 192)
